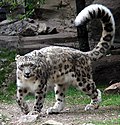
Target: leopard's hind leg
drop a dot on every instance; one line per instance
(60, 99)
(89, 88)
(84, 81)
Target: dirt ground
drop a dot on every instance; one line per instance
(71, 115)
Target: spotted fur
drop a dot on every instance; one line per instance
(62, 66)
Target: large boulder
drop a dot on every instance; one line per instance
(52, 122)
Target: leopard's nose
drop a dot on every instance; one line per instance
(27, 74)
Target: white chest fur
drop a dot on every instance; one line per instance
(31, 85)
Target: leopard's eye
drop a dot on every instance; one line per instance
(32, 66)
(21, 67)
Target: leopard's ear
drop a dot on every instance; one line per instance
(17, 56)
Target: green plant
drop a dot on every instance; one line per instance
(108, 122)
(29, 5)
(6, 58)
(12, 4)
(7, 94)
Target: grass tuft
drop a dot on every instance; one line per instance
(6, 58)
(76, 97)
(115, 121)
(8, 94)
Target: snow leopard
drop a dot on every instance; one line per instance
(63, 66)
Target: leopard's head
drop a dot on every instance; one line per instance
(26, 66)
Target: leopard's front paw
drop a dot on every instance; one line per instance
(52, 110)
(91, 107)
(58, 106)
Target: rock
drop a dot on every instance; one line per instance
(13, 28)
(29, 30)
(27, 118)
(4, 22)
(26, 27)
(114, 88)
(51, 30)
(52, 122)
(88, 124)
(3, 60)
(42, 28)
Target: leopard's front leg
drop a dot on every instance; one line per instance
(40, 94)
(21, 93)
(60, 99)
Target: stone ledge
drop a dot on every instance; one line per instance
(30, 43)
(26, 44)
(10, 42)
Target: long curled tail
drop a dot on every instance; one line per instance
(97, 11)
